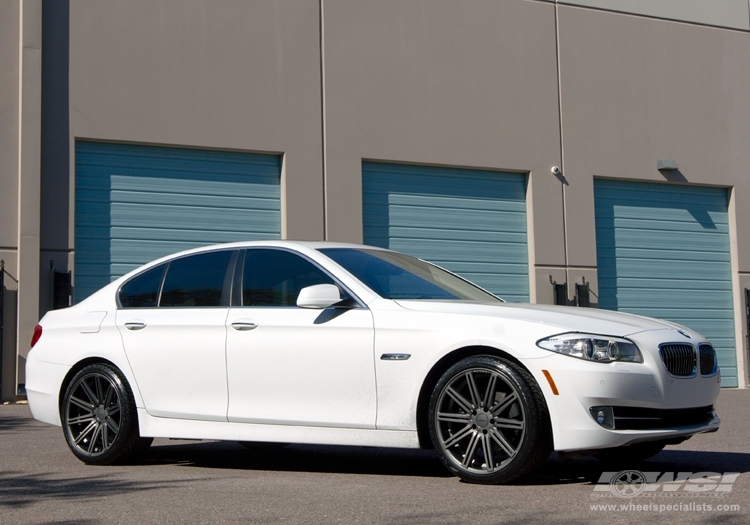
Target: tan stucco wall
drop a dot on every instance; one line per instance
(602, 88)
(230, 75)
(444, 83)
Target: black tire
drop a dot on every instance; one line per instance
(262, 445)
(630, 453)
(99, 417)
(503, 417)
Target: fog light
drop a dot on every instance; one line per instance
(605, 416)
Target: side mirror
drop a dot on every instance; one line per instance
(318, 296)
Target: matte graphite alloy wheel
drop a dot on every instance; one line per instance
(99, 417)
(488, 421)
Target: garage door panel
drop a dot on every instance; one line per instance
(646, 285)
(681, 212)
(174, 162)
(137, 203)
(689, 224)
(663, 251)
(234, 201)
(454, 235)
(413, 214)
(658, 254)
(471, 222)
(487, 202)
(707, 298)
(715, 318)
(184, 235)
(662, 269)
(427, 180)
(134, 192)
(681, 195)
(396, 212)
(460, 259)
(697, 241)
(208, 218)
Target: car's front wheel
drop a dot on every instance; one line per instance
(99, 416)
(488, 421)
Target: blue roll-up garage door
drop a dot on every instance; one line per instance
(472, 222)
(663, 251)
(137, 203)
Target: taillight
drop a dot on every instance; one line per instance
(37, 335)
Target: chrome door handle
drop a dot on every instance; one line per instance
(135, 325)
(244, 325)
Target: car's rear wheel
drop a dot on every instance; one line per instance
(99, 416)
(488, 421)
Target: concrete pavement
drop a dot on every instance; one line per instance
(221, 482)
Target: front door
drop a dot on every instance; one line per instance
(296, 366)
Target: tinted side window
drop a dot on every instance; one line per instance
(196, 280)
(142, 291)
(275, 277)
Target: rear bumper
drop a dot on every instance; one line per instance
(43, 383)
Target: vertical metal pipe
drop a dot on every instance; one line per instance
(2, 317)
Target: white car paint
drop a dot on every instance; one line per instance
(280, 372)
(178, 358)
(273, 384)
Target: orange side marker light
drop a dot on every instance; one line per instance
(551, 382)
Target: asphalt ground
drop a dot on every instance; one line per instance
(186, 482)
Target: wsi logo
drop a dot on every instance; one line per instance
(632, 483)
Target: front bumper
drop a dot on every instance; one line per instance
(583, 384)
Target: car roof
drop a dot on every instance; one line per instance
(270, 243)
(277, 243)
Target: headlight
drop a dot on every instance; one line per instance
(600, 348)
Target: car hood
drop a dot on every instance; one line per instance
(566, 318)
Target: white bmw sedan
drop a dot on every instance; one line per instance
(296, 342)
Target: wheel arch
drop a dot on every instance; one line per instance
(80, 365)
(436, 372)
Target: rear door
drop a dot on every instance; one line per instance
(173, 325)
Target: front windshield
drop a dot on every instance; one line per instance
(394, 275)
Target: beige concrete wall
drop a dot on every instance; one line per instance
(723, 13)
(638, 90)
(9, 35)
(635, 91)
(438, 82)
(29, 158)
(231, 75)
(470, 84)
(9, 59)
(20, 119)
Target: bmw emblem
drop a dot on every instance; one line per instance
(683, 332)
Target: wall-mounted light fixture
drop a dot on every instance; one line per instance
(666, 165)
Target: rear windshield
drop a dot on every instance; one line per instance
(394, 275)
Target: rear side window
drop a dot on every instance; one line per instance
(197, 280)
(143, 290)
(275, 277)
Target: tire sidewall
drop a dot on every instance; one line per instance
(128, 418)
(533, 418)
